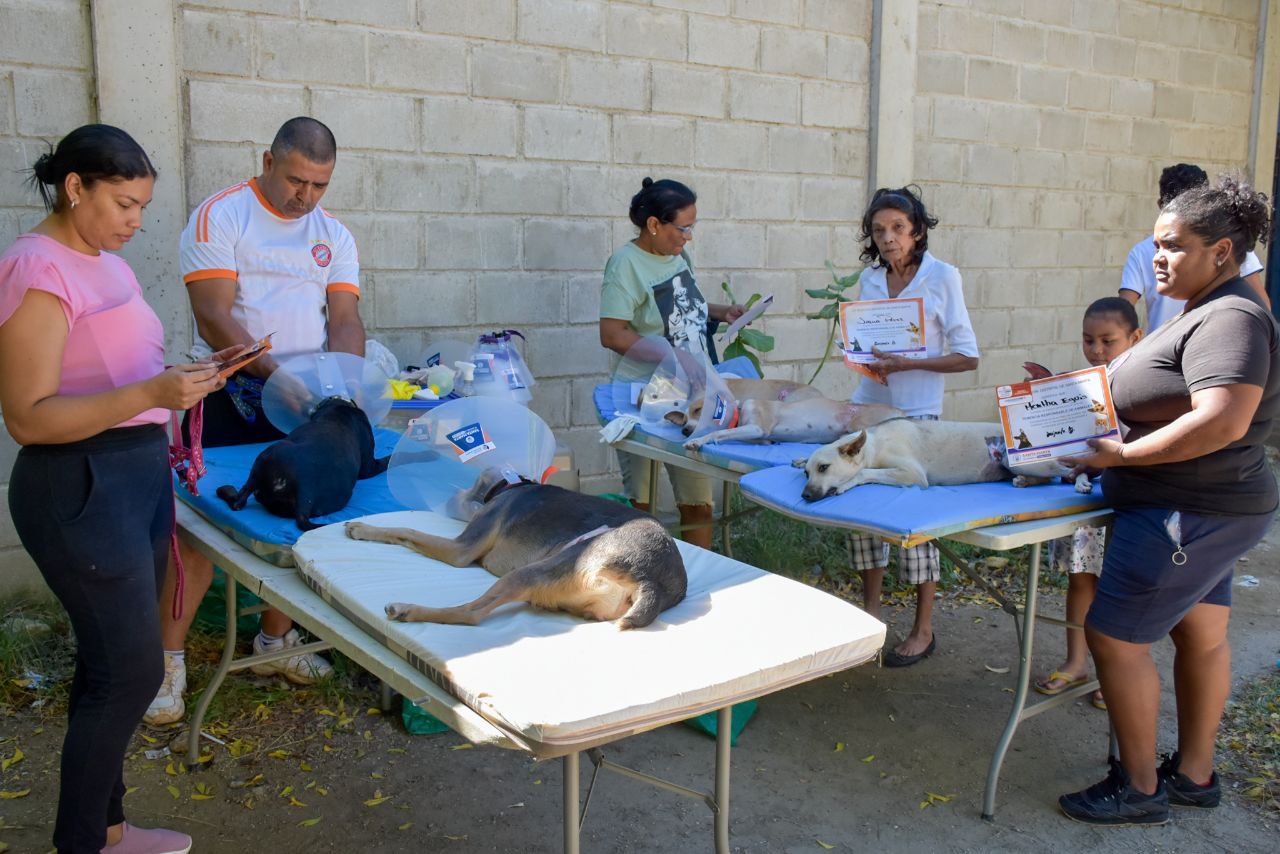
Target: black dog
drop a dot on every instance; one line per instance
(313, 470)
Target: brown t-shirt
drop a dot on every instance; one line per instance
(1229, 338)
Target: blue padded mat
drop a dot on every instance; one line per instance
(736, 456)
(909, 515)
(271, 537)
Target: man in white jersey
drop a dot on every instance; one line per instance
(260, 257)
(1139, 279)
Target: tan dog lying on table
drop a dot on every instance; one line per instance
(903, 452)
(553, 548)
(811, 418)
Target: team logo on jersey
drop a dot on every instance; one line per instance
(322, 253)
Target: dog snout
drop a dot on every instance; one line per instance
(686, 430)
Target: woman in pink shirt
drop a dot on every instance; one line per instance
(84, 390)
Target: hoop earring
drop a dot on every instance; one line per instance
(73, 203)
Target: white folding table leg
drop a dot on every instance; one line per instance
(572, 819)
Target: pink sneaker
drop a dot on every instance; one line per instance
(150, 840)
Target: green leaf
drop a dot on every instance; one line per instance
(756, 362)
(822, 293)
(828, 312)
(756, 340)
(751, 300)
(734, 350)
(724, 286)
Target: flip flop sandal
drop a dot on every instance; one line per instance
(1098, 701)
(896, 659)
(1066, 679)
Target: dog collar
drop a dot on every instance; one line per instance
(501, 487)
(733, 422)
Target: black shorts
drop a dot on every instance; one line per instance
(224, 425)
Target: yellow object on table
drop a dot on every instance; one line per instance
(401, 390)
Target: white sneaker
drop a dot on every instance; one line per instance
(307, 668)
(168, 707)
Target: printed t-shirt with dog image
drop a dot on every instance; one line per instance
(947, 329)
(284, 269)
(657, 295)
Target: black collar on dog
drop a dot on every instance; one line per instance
(501, 487)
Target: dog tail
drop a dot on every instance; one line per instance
(644, 609)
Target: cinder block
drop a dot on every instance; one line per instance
(850, 153)
(422, 184)
(1106, 210)
(584, 297)
(1044, 86)
(1132, 97)
(473, 243)
(236, 112)
(1066, 49)
(797, 247)
(46, 34)
(773, 11)
(1107, 133)
(652, 140)
(987, 164)
(1234, 73)
(507, 187)
(1061, 130)
(571, 352)
(1006, 289)
(6, 105)
(782, 285)
(1241, 10)
(725, 145)
(493, 19)
(456, 126)
(582, 408)
(940, 73)
(423, 299)
(368, 120)
(831, 199)
(640, 31)
(717, 41)
(956, 118)
(591, 192)
(310, 53)
(419, 63)
(757, 197)
(216, 43)
(990, 327)
(555, 133)
(1156, 62)
(1018, 41)
(610, 83)
(1174, 102)
(683, 90)
(1062, 210)
(1011, 208)
(1056, 285)
(551, 404)
(1096, 15)
(212, 168)
(1085, 171)
(997, 81)
(1081, 249)
(800, 150)
(517, 73)
(957, 204)
(385, 241)
(288, 8)
(576, 24)
(982, 248)
(729, 245)
(348, 189)
(796, 339)
(965, 31)
(51, 103)
(1217, 34)
(1217, 108)
(940, 161)
(1137, 20)
(927, 37)
(393, 14)
(1178, 28)
(834, 105)
(848, 59)
(1130, 175)
(852, 17)
(799, 52)
(1197, 68)
(975, 404)
(1150, 137)
(520, 298)
(1088, 92)
(1058, 14)
(565, 245)
(764, 99)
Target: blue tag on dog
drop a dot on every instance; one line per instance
(470, 441)
(719, 413)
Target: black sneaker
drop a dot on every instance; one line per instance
(1114, 801)
(1185, 792)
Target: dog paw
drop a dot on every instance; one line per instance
(1083, 485)
(398, 610)
(693, 444)
(1020, 481)
(357, 530)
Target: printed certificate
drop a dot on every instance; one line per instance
(1055, 417)
(888, 325)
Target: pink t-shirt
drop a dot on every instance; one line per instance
(113, 336)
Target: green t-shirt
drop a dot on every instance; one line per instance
(656, 295)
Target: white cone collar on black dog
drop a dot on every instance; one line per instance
(297, 387)
(442, 453)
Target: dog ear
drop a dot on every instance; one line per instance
(677, 417)
(803, 462)
(854, 445)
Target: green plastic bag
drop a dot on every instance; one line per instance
(739, 716)
(212, 613)
(418, 721)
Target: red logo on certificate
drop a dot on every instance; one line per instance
(322, 253)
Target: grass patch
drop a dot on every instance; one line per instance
(37, 658)
(1250, 741)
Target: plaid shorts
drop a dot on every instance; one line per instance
(916, 565)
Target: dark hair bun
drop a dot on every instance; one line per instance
(662, 199)
(646, 183)
(1247, 206)
(42, 169)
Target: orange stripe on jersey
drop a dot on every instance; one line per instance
(343, 288)
(201, 275)
(257, 191)
(202, 217)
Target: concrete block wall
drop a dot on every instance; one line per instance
(46, 88)
(1041, 131)
(488, 155)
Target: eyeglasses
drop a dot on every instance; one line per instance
(686, 230)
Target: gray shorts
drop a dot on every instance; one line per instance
(690, 488)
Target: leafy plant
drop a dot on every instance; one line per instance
(747, 339)
(834, 294)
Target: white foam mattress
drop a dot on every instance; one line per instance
(559, 683)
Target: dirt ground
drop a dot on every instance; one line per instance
(844, 763)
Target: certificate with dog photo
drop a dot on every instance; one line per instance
(1044, 419)
(885, 325)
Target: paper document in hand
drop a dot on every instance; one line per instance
(1056, 416)
(747, 316)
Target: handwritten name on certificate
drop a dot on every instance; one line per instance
(888, 325)
(1056, 416)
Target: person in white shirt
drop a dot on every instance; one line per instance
(1138, 280)
(896, 230)
(262, 257)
